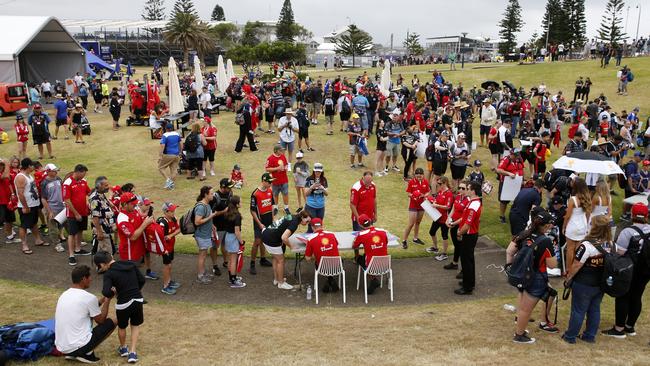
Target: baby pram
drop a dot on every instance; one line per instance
(184, 164)
(85, 126)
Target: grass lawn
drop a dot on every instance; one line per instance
(478, 333)
(129, 155)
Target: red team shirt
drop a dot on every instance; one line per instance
(512, 166)
(22, 132)
(460, 203)
(374, 242)
(323, 244)
(472, 215)
(127, 223)
(169, 227)
(364, 199)
(76, 191)
(444, 198)
(280, 176)
(417, 185)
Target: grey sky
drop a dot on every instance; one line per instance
(429, 18)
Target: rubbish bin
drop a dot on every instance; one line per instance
(374, 63)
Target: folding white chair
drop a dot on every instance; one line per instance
(329, 267)
(378, 266)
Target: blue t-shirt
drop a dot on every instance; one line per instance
(83, 91)
(34, 96)
(61, 109)
(203, 231)
(394, 128)
(360, 104)
(172, 142)
(316, 199)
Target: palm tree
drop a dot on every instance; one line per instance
(188, 32)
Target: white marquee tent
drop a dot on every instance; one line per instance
(34, 48)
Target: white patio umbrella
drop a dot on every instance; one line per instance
(588, 162)
(175, 97)
(198, 75)
(384, 83)
(222, 79)
(230, 71)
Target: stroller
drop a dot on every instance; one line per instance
(85, 126)
(184, 164)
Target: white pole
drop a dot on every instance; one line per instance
(637, 23)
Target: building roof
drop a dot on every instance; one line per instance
(34, 34)
(124, 23)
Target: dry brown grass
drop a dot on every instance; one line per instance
(476, 333)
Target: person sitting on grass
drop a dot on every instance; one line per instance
(124, 280)
(171, 229)
(374, 242)
(323, 243)
(76, 309)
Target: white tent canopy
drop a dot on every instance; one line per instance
(34, 48)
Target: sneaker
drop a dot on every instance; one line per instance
(81, 252)
(442, 257)
(418, 241)
(151, 275)
(237, 284)
(174, 284)
(12, 236)
(286, 211)
(252, 270)
(451, 265)
(405, 245)
(432, 249)
(225, 264)
(91, 358)
(168, 290)
(285, 286)
(569, 341)
(203, 280)
(12, 239)
(386, 171)
(379, 174)
(353, 166)
(585, 339)
(167, 184)
(523, 339)
(614, 333)
(133, 358)
(459, 275)
(629, 331)
(212, 173)
(72, 261)
(298, 210)
(44, 229)
(123, 351)
(265, 262)
(395, 168)
(59, 248)
(549, 328)
(502, 219)
(275, 283)
(216, 271)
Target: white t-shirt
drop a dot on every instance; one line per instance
(288, 134)
(46, 87)
(502, 134)
(73, 319)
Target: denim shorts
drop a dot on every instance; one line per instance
(280, 188)
(539, 285)
(287, 145)
(231, 243)
(204, 243)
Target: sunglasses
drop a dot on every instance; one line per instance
(462, 188)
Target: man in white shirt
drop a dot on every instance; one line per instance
(46, 89)
(488, 117)
(288, 128)
(204, 100)
(504, 133)
(75, 311)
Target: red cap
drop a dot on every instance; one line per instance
(646, 162)
(639, 210)
(128, 197)
(36, 105)
(146, 201)
(316, 222)
(116, 189)
(207, 119)
(364, 220)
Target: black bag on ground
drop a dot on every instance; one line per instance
(618, 272)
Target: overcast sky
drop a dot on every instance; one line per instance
(380, 18)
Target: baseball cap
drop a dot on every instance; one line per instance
(477, 162)
(51, 167)
(299, 155)
(364, 220)
(36, 106)
(226, 183)
(316, 222)
(267, 177)
(639, 154)
(396, 112)
(101, 257)
(318, 167)
(168, 206)
(354, 116)
(547, 218)
(146, 201)
(462, 134)
(116, 189)
(128, 197)
(19, 117)
(557, 200)
(646, 162)
(639, 210)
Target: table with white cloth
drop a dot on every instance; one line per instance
(345, 239)
(637, 198)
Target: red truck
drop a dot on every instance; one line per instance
(13, 97)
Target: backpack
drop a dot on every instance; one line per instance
(191, 145)
(187, 221)
(640, 253)
(551, 177)
(26, 341)
(630, 76)
(345, 106)
(618, 272)
(522, 270)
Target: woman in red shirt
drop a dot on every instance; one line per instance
(458, 208)
(22, 135)
(210, 133)
(442, 202)
(493, 144)
(417, 190)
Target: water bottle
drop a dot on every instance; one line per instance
(509, 307)
(610, 281)
(309, 291)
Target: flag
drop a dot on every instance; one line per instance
(129, 72)
(240, 256)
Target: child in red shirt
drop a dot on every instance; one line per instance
(237, 177)
(171, 229)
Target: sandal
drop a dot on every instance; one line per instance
(27, 251)
(43, 244)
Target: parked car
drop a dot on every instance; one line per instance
(13, 98)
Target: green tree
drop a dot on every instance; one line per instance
(188, 32)
(412, 44)
(267, 52)
(610, 26)
(576, 26)
(225, 34)
(302, 34)
(353, 43)
(250, 33)
(184, 6)
(554, 23)
(217, 13)
(153, 10)
(285, 29)
(510, 25)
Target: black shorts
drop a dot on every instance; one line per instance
(61, 121)
(444, 230)
(439, 167)
(168, 258)
(494, 149)
(303, 133)
(345, 116)
(208, 155)
(41, 139)
(266, 221)
(77, 226)
(541, 167)
(458, 172)
(485, 130)
(133, 315)
(28, 220)
(47, 94)
(99, 334)
(531, 158)
(6, 215)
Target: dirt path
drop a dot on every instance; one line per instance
(417, 281)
